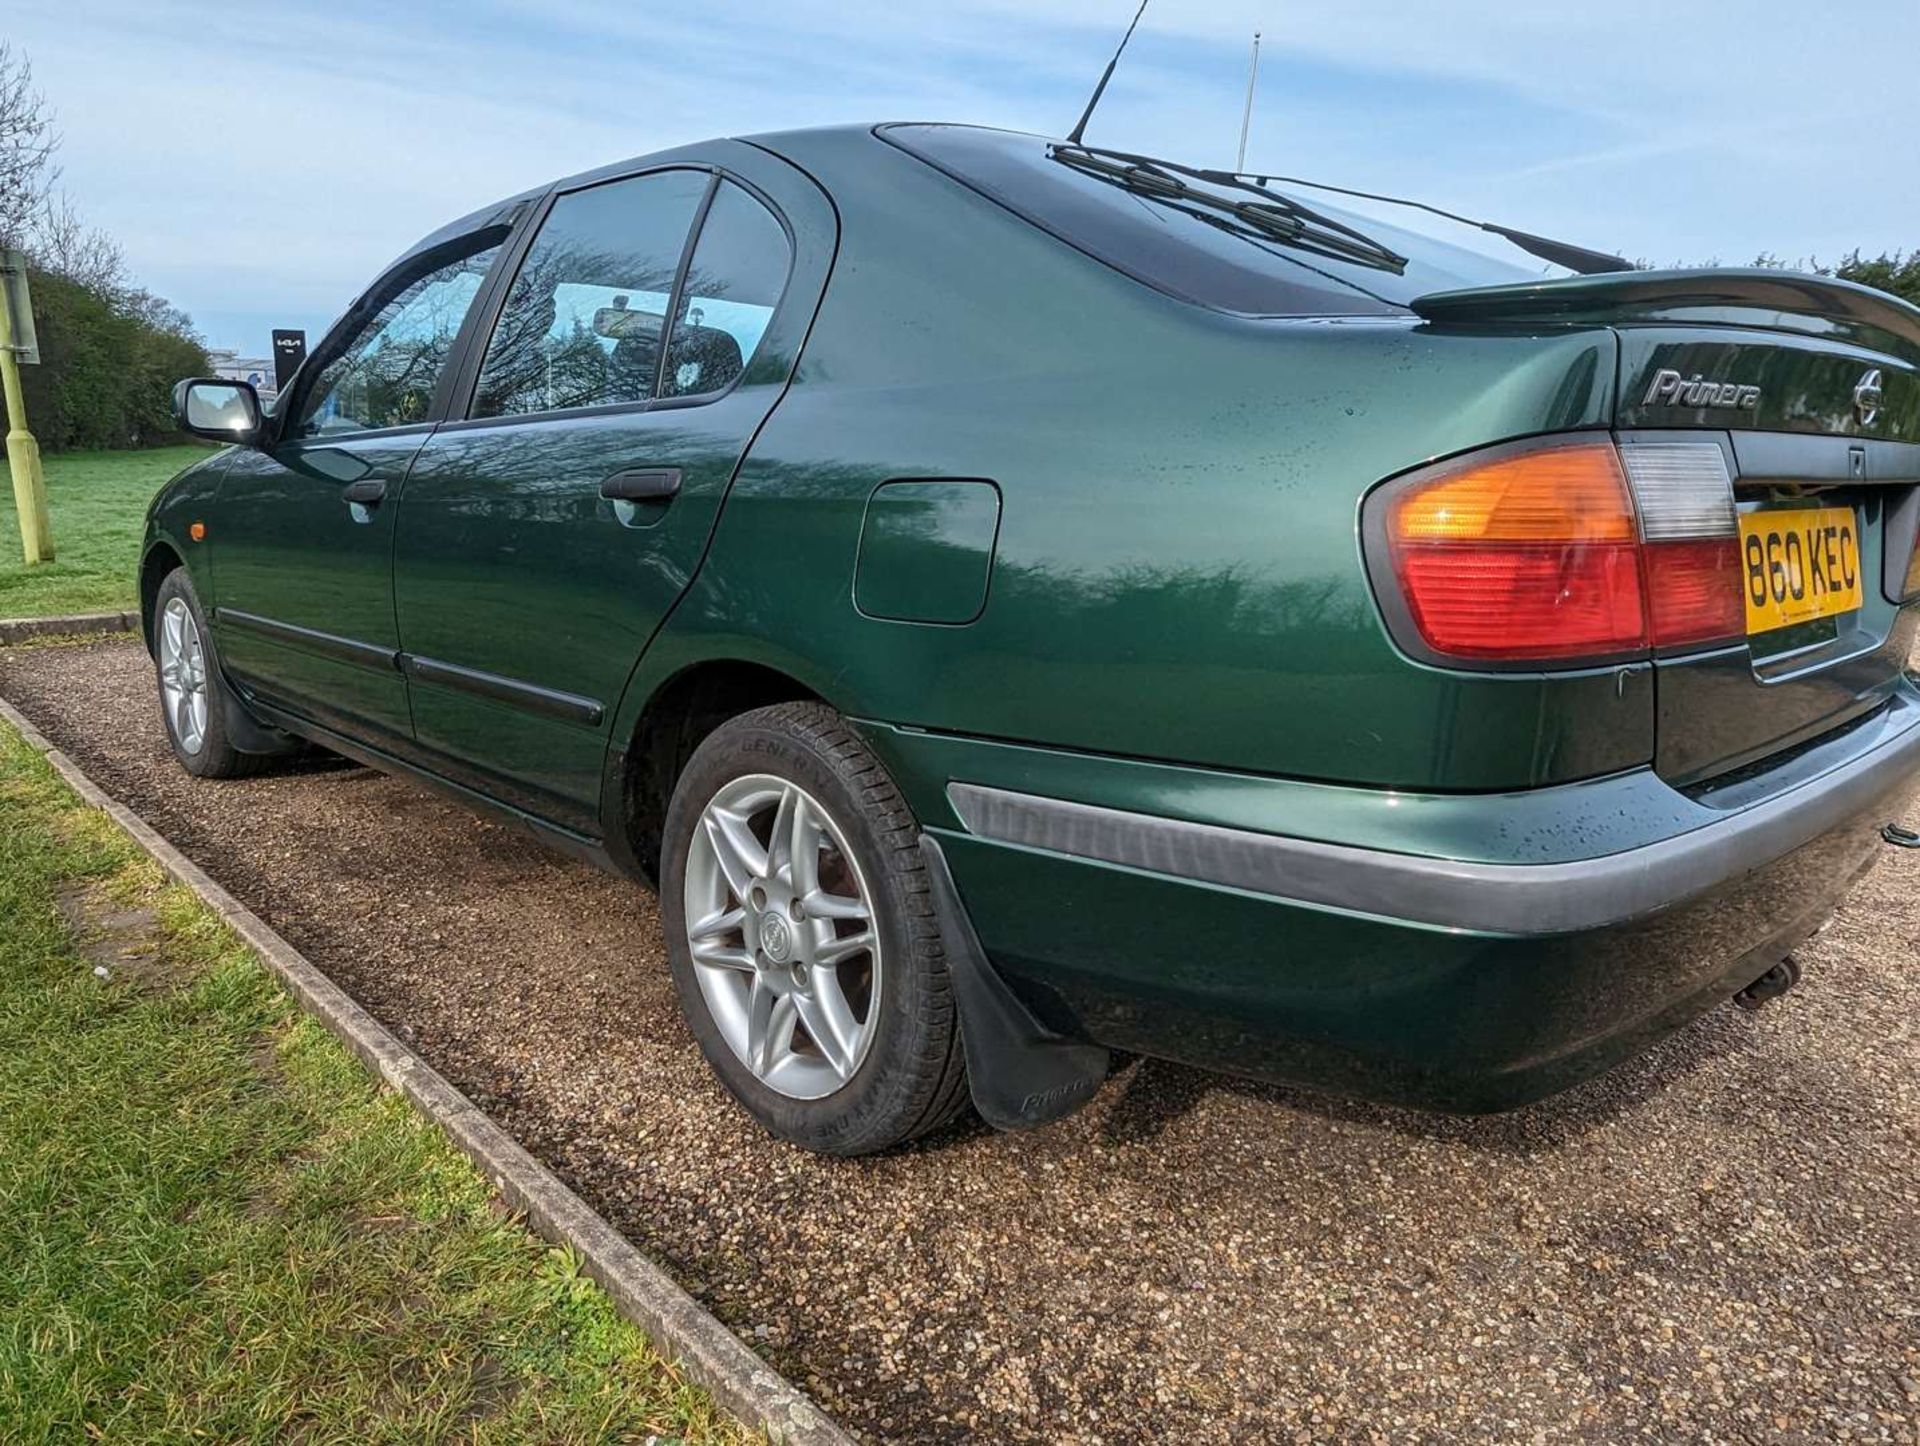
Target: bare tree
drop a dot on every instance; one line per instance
(61, 242)
(27, 143)
(154, 311)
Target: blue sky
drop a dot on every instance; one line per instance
(260, 163)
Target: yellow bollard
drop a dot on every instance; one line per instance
(23, 453)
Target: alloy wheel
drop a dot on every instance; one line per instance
(781, 929)
(183, 675)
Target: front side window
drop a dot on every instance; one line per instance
(583, 322)
(739, 269)
(387, 375)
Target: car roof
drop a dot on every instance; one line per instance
(506, 211)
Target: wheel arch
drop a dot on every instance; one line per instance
(677, 716)
(162, 558)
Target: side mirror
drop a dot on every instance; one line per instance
(219, 410)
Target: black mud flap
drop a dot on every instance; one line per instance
(248, 734)
(1021, 1074)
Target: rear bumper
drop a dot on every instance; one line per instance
(1504, 948)
(1514, 898)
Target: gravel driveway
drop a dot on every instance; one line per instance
(1717, 1241)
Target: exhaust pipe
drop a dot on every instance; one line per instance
(1771, 985)
(1786, 974)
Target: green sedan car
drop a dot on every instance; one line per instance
(1018, 601)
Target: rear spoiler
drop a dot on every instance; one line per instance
(1658, 294)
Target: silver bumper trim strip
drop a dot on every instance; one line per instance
(1491, 898)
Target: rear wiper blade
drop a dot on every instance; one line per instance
(1264, 215)
(1561, 253)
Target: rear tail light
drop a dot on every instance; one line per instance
(1565, 552)
(1527, 556)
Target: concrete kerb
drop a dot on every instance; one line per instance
(20, 630)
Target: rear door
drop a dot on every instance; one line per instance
(652, 324)
(303, 535)
(1822, 440)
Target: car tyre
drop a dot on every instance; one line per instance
(899, 1072)
(194, 697)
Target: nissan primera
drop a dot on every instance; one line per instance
(1018, 600)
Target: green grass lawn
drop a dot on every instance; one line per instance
(215, 1225)
(99, 506)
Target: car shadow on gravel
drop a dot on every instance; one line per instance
(1155, 1094)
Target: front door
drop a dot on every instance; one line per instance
(303, 536)
(649, 331)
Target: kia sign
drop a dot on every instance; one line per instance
(289, 350)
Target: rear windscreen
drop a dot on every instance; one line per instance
(1187, 253)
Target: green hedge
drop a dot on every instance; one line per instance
(1898, 272)
(106, 372)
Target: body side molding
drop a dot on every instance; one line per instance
(551, 703)
(331, 645)
(548, 702)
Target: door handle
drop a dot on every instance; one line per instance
(367, 493)
(647, 484)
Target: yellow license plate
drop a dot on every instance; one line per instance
(1801, 563)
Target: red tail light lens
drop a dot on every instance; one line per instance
(1530, 556)
(1569, 552)
(1695, 591)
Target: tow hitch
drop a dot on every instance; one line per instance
(1900, 838)
(1771, 985)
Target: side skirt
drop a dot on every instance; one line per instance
(565, 841)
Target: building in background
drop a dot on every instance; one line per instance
(236, 368)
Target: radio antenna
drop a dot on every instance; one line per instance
(1074, 137)
(1246, 121)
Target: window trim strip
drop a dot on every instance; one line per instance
(678, 293)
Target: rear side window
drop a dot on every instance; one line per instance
(585, 318)
(1190, 253)
(739, 269)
